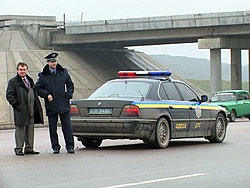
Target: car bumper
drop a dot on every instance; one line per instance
(228, 116)
(113, 128)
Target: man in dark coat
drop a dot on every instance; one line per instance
(56, 87)
(27, 109)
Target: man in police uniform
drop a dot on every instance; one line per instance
(56, 87)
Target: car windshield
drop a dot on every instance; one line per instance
(122, 89)
(223, 97)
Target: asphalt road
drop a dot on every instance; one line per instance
(123, 163)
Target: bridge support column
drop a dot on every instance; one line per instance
(215, 70)
(236, 45)
(236, 72)
(249, 71)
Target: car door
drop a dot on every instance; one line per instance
(177, 109)
(199, 114)
(244, 104)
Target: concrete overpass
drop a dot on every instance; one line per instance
(214, 31)
(156, 30)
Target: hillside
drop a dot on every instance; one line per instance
(195, 68)
(205, 85)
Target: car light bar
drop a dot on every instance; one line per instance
(144, 73)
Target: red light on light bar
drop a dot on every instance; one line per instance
(127, 73)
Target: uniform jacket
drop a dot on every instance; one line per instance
(17, 96)
(60, 86)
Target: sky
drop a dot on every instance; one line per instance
(91, 10)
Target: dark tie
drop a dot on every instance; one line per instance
(26, 82)
(54, 72)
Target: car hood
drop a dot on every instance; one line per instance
(225, 103)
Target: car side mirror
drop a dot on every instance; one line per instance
(204, 98)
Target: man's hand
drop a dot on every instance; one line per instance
(50, 98)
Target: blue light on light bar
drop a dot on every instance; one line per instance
(159, 73)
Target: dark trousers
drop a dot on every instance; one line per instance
(66, 129)
(24, 135)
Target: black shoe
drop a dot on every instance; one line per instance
(20, 153)
(56, 151)
(71, 151)
(32, 152)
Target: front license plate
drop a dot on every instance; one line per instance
(98, 111)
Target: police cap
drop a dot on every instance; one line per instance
(51, 56)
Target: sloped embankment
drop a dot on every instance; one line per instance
(89, 69)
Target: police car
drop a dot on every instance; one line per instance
(146, 105)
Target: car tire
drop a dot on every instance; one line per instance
(233, 116)
(162, 133)
(219, 130)
(91, 143)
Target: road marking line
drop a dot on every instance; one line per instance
(156, 180)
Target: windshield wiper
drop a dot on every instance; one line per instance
(114, 95)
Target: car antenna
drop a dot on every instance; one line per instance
(142, 96)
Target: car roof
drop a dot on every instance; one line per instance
(143, 79)
(147, 79)
(231, 91)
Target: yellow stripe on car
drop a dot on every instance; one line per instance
(177, 106)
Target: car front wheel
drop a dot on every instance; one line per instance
(219, 131)
(91, 143)
(232, 115)
(162, 133)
